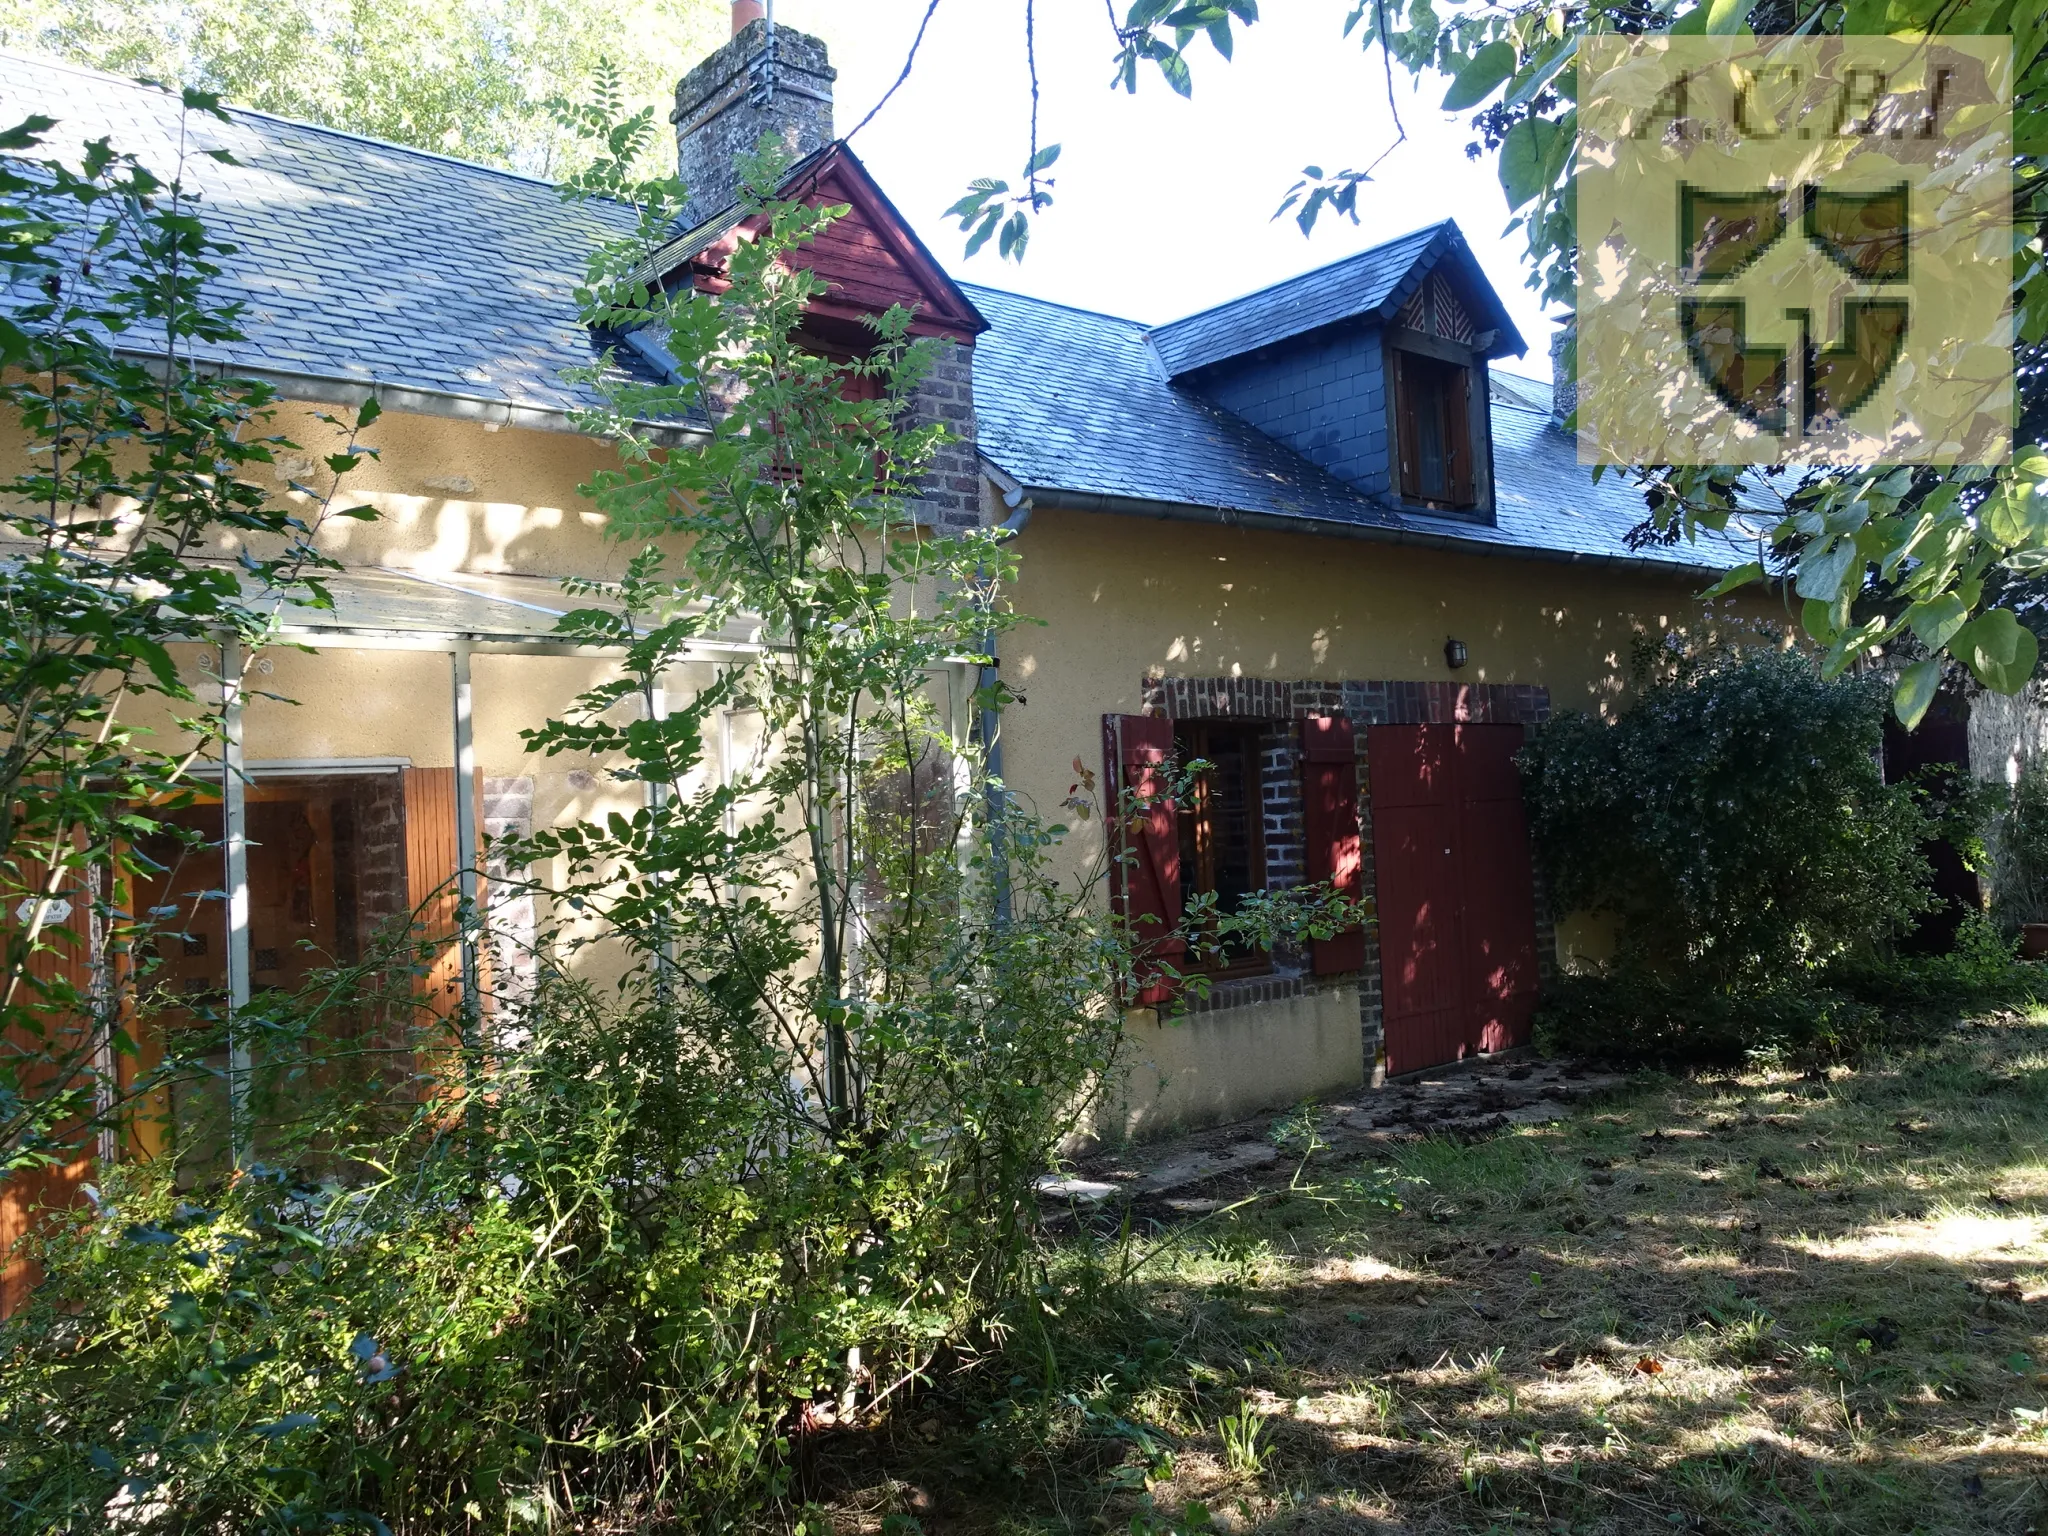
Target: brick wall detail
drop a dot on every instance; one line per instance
(951, 494)
(1278, 704)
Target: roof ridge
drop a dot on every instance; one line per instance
(1264, 288)
(1072, 309)
(49, 61)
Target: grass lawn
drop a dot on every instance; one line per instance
(1748, 1303)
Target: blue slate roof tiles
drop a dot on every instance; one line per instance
(370, 262)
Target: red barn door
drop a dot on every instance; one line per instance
(1456, 897)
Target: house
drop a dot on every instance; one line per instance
(1311, 535)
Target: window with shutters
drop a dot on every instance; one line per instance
(1433, 428)
(1221, 850)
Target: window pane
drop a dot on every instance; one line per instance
(1221, 850)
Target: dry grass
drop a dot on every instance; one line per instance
(1750, 1304)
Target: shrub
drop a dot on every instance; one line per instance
(2018, 839)
(627, 1245)
(1735, 821)
(1861, 1000)
(1632, 1017)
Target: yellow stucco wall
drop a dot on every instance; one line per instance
(1212, 1068)
(1123, 597)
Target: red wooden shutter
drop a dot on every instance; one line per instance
(1144, 882)
(56, 986)
(1458, 434)
(1329, 799)
(1407, 477)
(431, 886)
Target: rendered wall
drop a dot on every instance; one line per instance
(1211, 1068)
(1122, 597)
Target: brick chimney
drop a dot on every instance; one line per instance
(768, 79)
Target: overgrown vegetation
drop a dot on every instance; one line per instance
(1736, 829)
(606, 1253)
(2018, 838)
(1734, 822)
(134, 524)
(1756, 1302)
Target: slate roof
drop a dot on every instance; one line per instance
(1375, 282)
(1071, 401)
(371, 263)
(360, 260)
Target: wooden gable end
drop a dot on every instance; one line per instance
(869, 256)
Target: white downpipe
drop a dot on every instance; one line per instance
(469, 918)
(235, 851)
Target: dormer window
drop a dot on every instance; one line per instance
(1433, 425)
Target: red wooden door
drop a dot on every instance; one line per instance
(1498, 887)
(1456, 900)
(1414, 832)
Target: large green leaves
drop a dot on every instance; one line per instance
(1528, 159)
(1481, 77)
(1998, 649)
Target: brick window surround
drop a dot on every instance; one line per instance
(1276, 705)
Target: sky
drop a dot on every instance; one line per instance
(1163, 206)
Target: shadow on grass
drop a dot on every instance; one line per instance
(1738, 1304)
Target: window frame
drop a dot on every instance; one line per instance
(1468, 450)
(1195, 816)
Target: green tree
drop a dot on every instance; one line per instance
(477, 79)
(1735, 822)
(135, 472)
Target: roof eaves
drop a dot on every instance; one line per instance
(1372, 532)
(415, 400)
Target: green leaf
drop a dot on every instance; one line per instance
(1725, 17)
(987, 227)
(1522, 158)
(1915, 690)
(368, 412)
(1042, 160)
(2013, 515)
(1824, 568)
(1998, 649)
(1818, 620)
(1537, 73)
(1481, 77)
(1741, 576)
(1936, 620)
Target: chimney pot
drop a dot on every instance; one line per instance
(760, 83)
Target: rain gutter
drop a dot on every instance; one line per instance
(1378, 533)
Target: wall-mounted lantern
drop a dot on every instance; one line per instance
(1455, 654)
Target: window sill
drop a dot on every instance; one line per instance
(1249, 990)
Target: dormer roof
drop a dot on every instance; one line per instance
(1375, 284)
